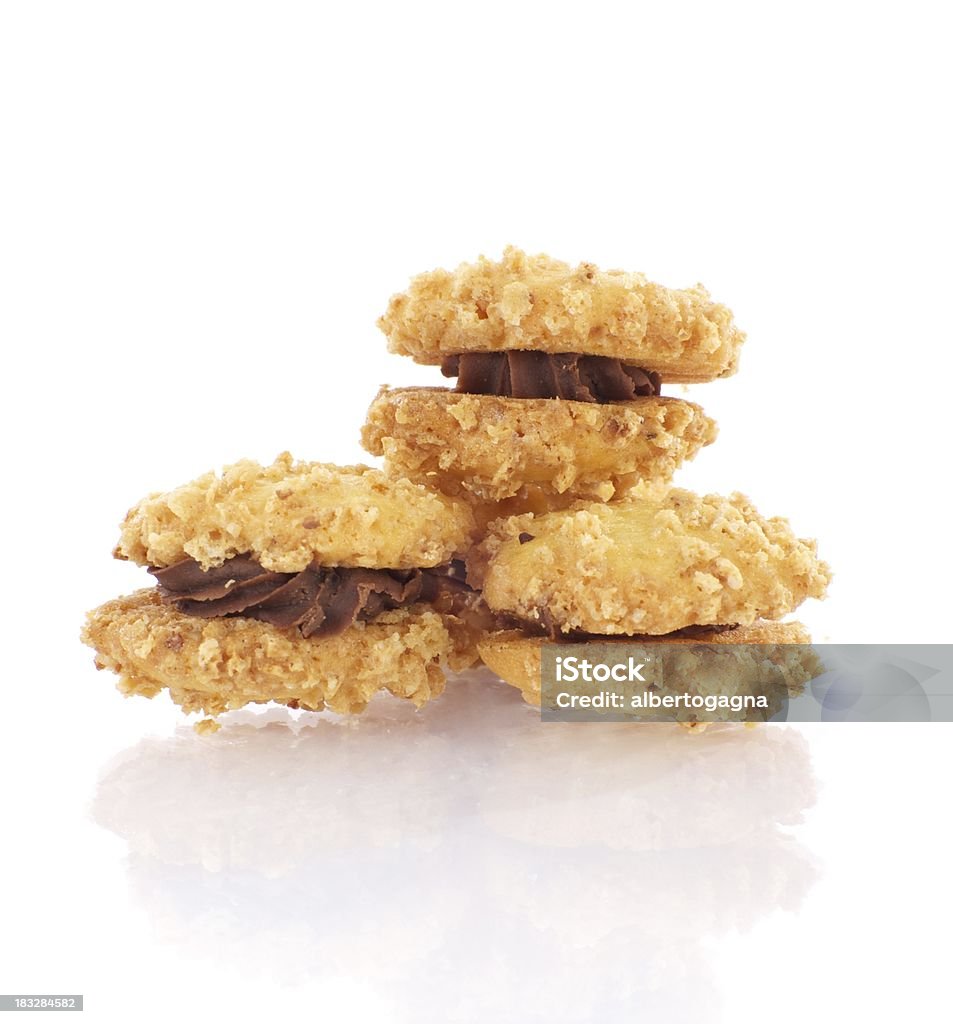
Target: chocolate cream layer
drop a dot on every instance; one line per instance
(545, 627)
(320, 601)
(518, 374)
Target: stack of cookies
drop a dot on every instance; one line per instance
(559, 436)
(529, 503)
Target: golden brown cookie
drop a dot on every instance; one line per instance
(646, 565)
(516, 657)
(215, 665)
(291, 514)
(537, 303)
(494, 447)
(295, 582)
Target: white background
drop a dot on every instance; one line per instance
(204, 209)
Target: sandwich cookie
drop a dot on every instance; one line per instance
(558, 374)
(680, 568)
(302, 583)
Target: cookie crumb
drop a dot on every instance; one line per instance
(207, 726)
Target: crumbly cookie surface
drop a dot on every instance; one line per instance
(290, 514)
(647, 565)
(492, 447)
(515, 657)
(216, 665)
(536, 302)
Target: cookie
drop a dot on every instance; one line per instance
(492, 447)
(516, 657)
(646, 566)
(292, 514)
(539, 304)
(214, 665)
(293, 582)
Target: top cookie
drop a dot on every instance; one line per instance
(289, 515)
(647, 566)
(538, 303)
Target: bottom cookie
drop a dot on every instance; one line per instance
(492, 447)
(215, 665)
(516, 658)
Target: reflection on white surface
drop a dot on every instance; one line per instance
(466, 861)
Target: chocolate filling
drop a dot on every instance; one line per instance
(322, 601)
(516, 374)
(319, 601)
(545, 626)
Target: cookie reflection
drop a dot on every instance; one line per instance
(467, 860)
